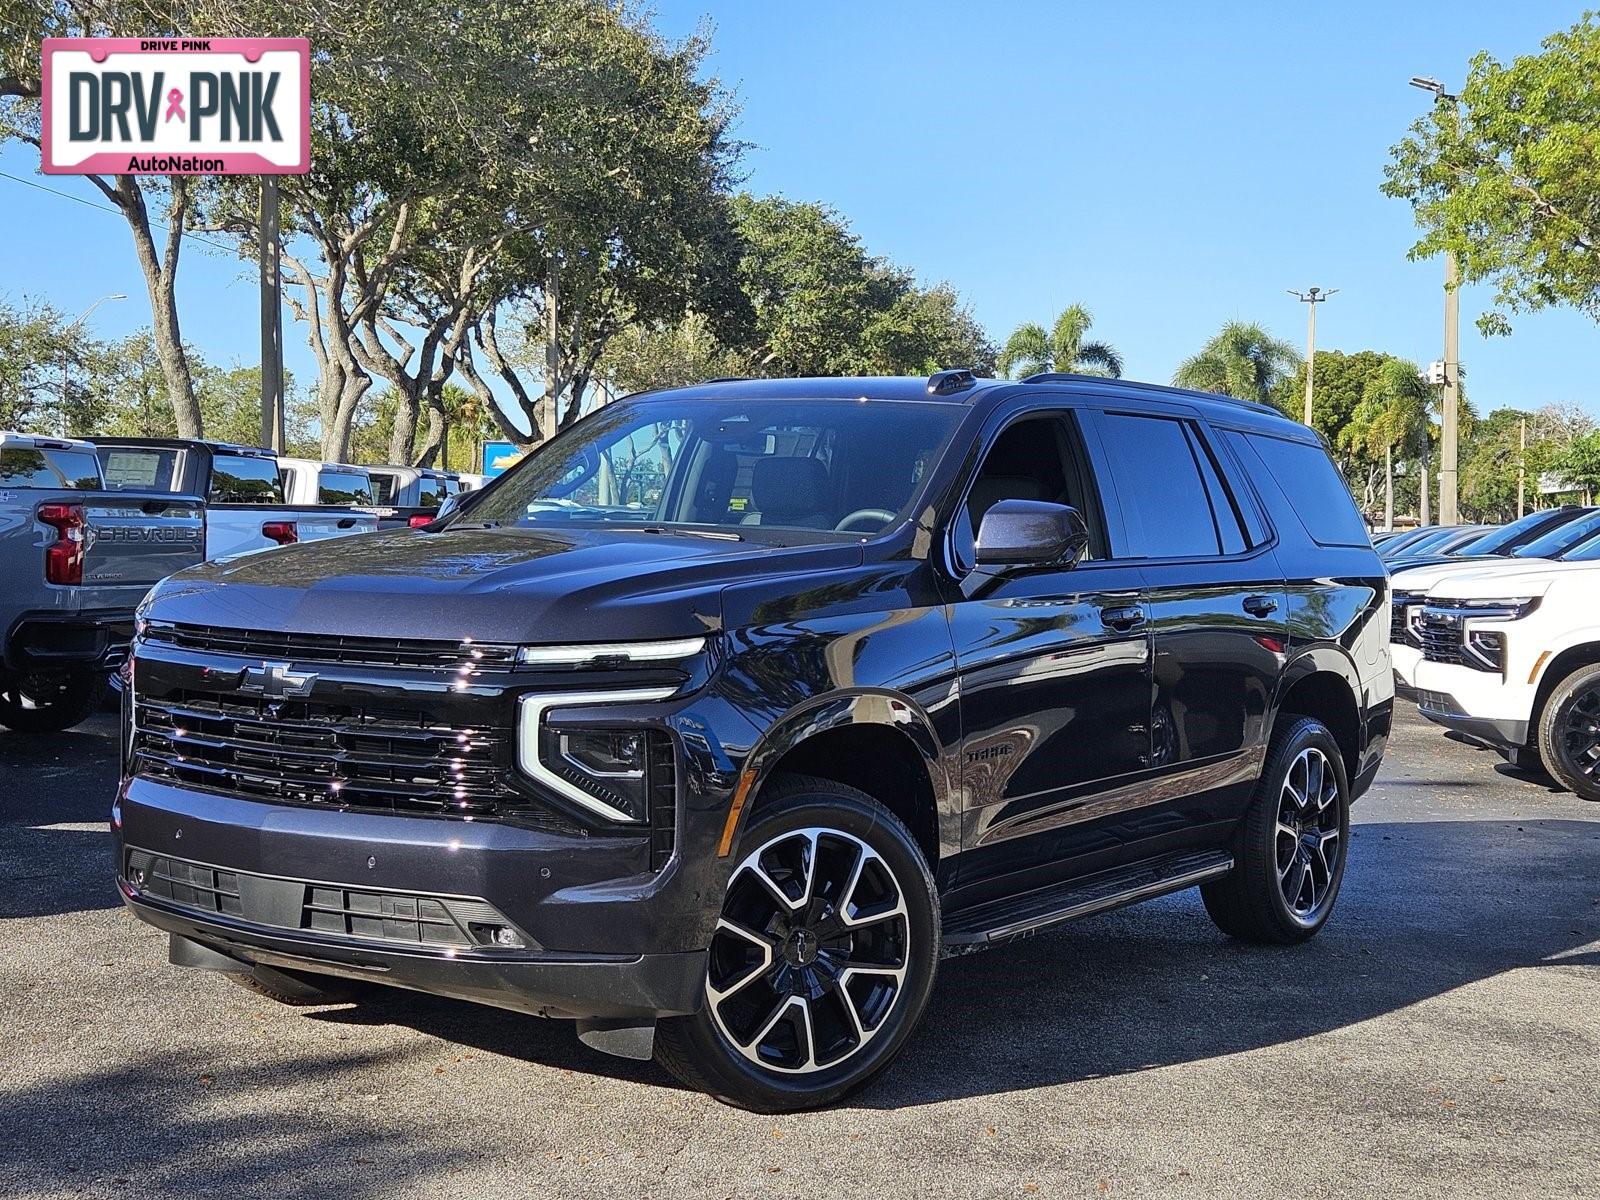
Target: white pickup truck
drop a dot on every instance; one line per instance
(247, 507)
(1512, 658)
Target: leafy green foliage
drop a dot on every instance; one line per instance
(1578, 464)
(1508, 178)
(1242, 360)
(1066, 347)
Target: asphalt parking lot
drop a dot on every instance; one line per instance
(1442, 1037)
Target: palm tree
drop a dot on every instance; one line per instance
(1243, 360)
(1030, 350)
(1394, 415)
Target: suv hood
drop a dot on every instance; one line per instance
(1423, 577)
(491, 585)
(1534, 579)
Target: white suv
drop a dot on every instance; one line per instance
(1512, 657)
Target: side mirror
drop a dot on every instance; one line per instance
(1031, 533)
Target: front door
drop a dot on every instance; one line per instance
(1055, 677)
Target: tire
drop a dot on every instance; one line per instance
(1569, 733)
(1283, 885)
(296, 989)
(48, 703)
(823, 1002)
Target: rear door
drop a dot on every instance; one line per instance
(1218, 613)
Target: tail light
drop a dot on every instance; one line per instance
(63, 558)
(419, 520)
(282, 532)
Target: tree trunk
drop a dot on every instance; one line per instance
(160, 279)
(550, 401)
(1388, 487)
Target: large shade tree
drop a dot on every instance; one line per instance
(1065, 346)
(1508, 177)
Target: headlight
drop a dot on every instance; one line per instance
(1495, 610)
(609, 771)
(610, 654)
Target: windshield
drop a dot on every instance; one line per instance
(846, 466)
(1524, 529)
(1560, 539)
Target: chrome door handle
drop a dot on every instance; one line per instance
(1260, 606)
(1123, 617)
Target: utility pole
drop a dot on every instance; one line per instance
(272, 415)
(1449, 428)
(1312, 297)
(1522, 467)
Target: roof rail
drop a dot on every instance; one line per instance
(726, 379)
(1140, 385)
(946, 383)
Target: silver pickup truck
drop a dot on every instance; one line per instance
(246, 489)
(75, 560)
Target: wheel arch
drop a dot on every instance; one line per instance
(1554, 671)
(879, 742)
(1325, 686)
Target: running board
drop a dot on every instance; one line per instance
(1017, 916)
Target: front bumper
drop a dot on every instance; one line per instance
(594, 935)
(1480, 704)
(569, 986)
(1405, 658)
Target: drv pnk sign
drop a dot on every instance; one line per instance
(177, 106)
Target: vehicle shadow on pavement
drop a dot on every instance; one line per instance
(56, 792)
(1427, 907)
(177, 1124)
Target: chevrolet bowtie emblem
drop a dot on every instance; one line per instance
(276, 680)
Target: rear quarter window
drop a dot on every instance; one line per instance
(38, 467)
(1316, 493)
(343, 487)
(245, 479)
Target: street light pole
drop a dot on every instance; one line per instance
(65, 337)
(1450, 396)
(1312, 297)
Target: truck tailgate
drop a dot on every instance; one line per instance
(137, 539)
(334, 522)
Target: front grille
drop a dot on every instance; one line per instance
(1441, 638)
(347, 651)
(446, 922)
(303, 752)
(1400, 610)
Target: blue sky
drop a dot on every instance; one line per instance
(1172, 166)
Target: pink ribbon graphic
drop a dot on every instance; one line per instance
(175, 105)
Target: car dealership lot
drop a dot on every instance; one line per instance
(1440, 1037)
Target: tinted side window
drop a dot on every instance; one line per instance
(1037, 457)
(1318, 493)
(1166, 505)
(29, 467)
(342, 487)
(243, 479)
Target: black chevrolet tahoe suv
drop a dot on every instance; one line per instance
(721, 718)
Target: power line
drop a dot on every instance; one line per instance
(87, 203)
